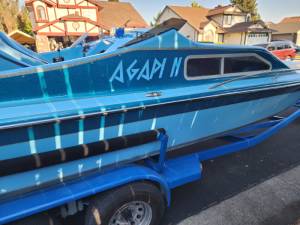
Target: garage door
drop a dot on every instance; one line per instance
(281, 37)
(257, 38)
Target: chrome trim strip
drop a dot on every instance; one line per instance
(235, 78)
(106, 113)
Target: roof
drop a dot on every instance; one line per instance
(120, 14)
(286, 27)
(221, 10)
(292, 19)
(49, 2)
(53, 3)
(247, 26)
(22, 37)
(218, 10)
(193, 15)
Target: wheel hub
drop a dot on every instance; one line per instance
(133, 213)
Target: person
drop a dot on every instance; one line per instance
(60, 45)
(53, 45)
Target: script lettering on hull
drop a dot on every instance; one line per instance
(149, 70)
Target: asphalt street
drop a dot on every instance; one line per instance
(226, 177)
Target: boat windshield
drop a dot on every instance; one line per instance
(171, 24)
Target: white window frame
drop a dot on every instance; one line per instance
(228, 19)
(222, 74)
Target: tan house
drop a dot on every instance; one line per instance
(222, 24)
(193, 15)
(287, 29)
(66, 20)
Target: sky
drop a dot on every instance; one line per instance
(270, 10)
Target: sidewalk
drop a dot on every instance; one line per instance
(274, 202)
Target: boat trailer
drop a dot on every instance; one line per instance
(161, 171)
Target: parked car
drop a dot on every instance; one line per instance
(282, 49)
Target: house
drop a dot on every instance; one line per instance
(65, 20)
(222, 24)
(193, 15)
(287, 29)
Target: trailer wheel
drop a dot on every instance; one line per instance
(40, 219)
(134, 204)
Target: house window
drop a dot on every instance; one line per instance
(244, 64)
(197, 67)
(41, 13)
(248, 18)
(227, 19)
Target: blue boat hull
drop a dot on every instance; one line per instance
(190, 127)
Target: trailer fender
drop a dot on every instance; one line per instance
(130, 174)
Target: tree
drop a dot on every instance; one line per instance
(8, 15)
(24, 23)
(195, 4)
(12, 18)
(155, 19)
(248, 6)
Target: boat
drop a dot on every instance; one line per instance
(15, 56)
(83, 48)
(61, 121)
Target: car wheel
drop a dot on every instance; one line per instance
(135, 204)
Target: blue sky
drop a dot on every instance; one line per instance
(270, 10)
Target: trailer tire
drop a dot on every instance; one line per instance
(40, 219)
(140, 203)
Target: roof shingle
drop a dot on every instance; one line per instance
(120, 14)
(286, 27)
(218, 10)
(247, 26)
(293, 19)
(194, 15)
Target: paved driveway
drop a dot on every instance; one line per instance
(228, 176)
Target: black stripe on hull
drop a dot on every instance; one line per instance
(55, 157)
(41, 131)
